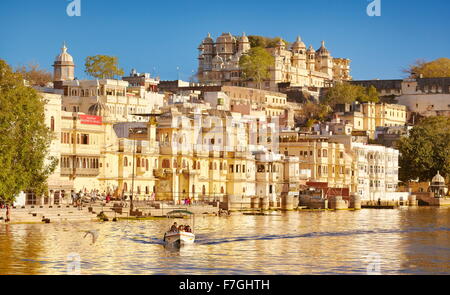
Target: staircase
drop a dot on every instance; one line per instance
(55, 214)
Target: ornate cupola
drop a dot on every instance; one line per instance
(64, 68)
(323, 51)
(438, 186)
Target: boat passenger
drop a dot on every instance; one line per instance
(174, 227)
(181, 228)
(188, 229)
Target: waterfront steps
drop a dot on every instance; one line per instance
(55, 214)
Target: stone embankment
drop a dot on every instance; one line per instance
(90, 212)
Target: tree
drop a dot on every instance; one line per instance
(438, 68)
(34, 75)
(264, 42)
(103, 67)
(24, 138)
(369, 94)
(426, 150)
(256, 64)
(342, 93)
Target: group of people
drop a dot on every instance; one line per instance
(179, 228)
(187, 201)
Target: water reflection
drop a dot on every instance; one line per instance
(409, 241)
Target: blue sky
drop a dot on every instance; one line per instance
(159, 36)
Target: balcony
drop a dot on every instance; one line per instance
(80, 172)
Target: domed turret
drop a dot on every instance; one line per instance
(225, 44)
(99, 109)
(208, 39)
(244, 43)
(438, 179)
(298, 44)
(64, 56)
(244, 38)
(323, 50)
(438, 186)
(64, 67)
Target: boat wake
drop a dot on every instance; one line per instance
(206, 241)
(202, 239)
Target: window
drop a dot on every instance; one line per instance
(166, 163)
(84, 139)
(52, 123)
(125, 162)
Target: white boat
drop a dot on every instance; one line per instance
(179, 238)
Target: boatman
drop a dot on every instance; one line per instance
(174, 227)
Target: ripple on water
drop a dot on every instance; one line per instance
(407, 242)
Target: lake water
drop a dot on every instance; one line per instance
(404, 241)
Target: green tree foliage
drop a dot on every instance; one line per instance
(35, 75)
(264, 42)
(103, 67)
(438, 68)
(348, 93)
(255, 65)
(426, 150)
(313, 112)
(24, 137)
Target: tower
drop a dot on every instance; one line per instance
(299, 54)
(64, 68)
(244, 44)
(311, 59)
(324, 61)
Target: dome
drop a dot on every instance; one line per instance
(298, 44)
(311, 49)
(208, 39)
(64, 57)
(323, 50)
(225, 38)
(244, 38)
(281, 42)
(438, 179)
(99, 109)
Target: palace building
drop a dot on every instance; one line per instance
(295, 65)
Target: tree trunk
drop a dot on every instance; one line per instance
(8, 214)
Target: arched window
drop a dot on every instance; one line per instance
(193, 189)
(146, 164)
(198, 165)
(203, 190)
(222, 191)
(215, 166)
(125, 187)
(138, 162)
(125, 162)
(52, 123)
(175, 164)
